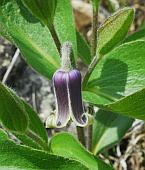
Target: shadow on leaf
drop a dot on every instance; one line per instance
(113, 78)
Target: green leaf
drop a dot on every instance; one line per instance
(14, 156)
(117, 83)
(135, 36)
(12, 112)
(35, 123)
(31, 37)
(27, 141)
(119, 74)
(44, 10)
(16, 111)
(64, 24)
(108, 129)
(132, 106)
(35, 127)
(3, 135)
(66, 145)
(114, 30)
(83, 49)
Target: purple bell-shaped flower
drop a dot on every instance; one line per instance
(67, 89)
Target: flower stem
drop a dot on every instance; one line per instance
(94, 33)
(95, 58)
(90, 129)
(81, 135)
(55, 38)
(91, 67)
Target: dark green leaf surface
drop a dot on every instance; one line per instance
(83, 49)
(135, 36)
(14, 156)
(108, 129)
(118, 76)
(66, 145)
(12, 112)
(64, 23)
(44, 10)
(133, 105)
(32, 38)
(114, 30)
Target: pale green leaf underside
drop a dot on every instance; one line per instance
(67, 146)
(114, 30)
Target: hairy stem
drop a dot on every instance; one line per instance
(55, 38)
(95, 59)
(90, 129)
(81, 135)
(94, 33)
(91, 68)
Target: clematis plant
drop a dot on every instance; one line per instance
(112, 86)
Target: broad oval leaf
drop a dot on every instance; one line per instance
(44, 10)
(108, 129)
(66, 145)
(14, 156)
(119, 77)
(119, 73)
(114, 30)
(31, 37)
(34, 39)
(12, 112)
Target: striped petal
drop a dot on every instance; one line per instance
(61, 95)
(75, 98)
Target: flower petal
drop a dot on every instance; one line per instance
(61, 94)
(75, 97)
